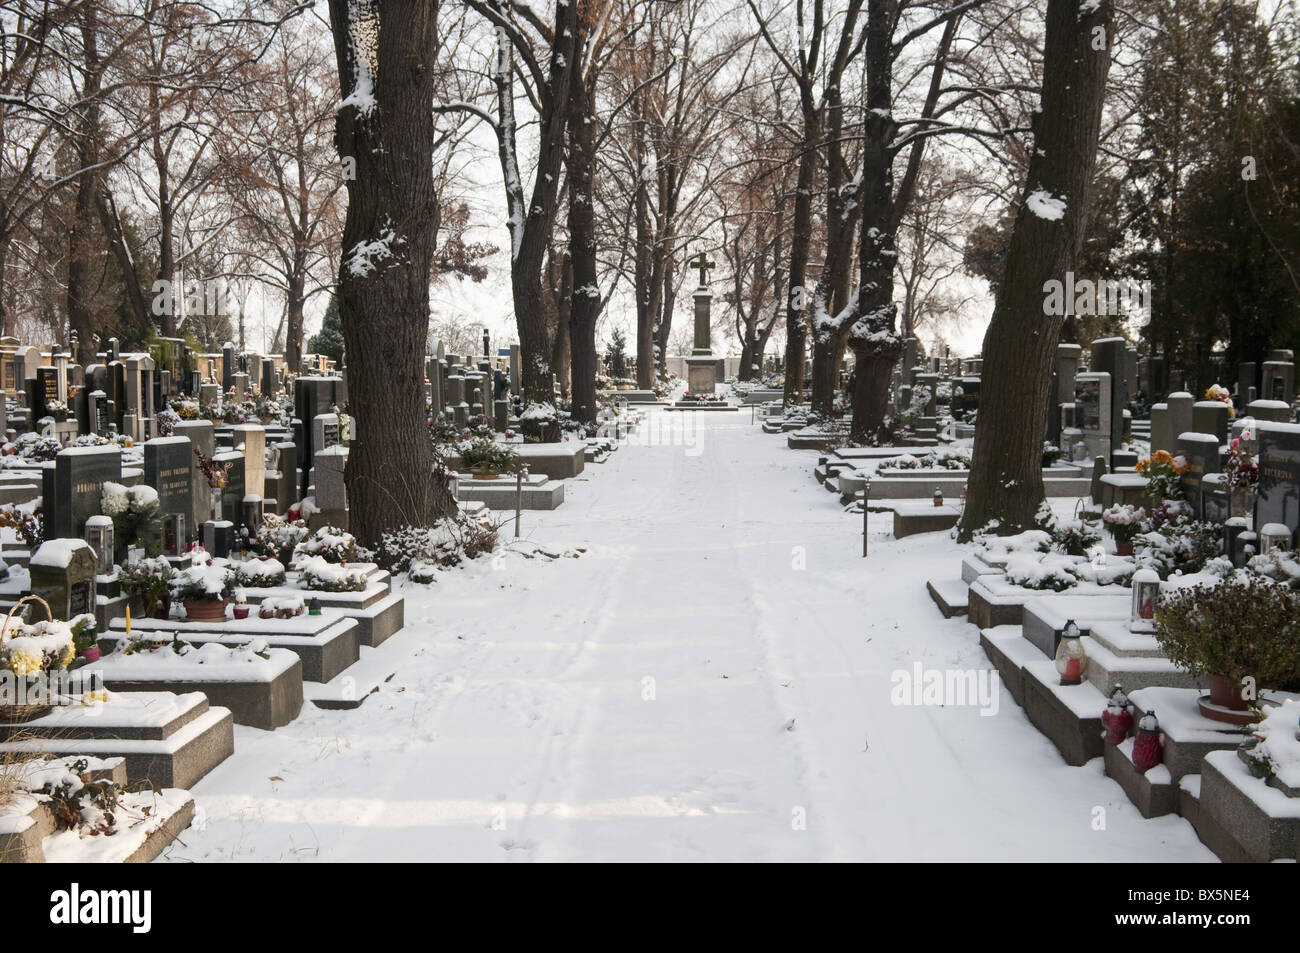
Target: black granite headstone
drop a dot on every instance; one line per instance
(1278, 500)
(47, 380)
(232, 494)
(167, 465)
(73, 488)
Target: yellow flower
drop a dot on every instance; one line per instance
(68, 656)
(22, 662)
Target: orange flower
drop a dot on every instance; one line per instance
(1162, 456)
(1142, 466)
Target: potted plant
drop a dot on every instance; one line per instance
(1124, 522)
(1238, 634)
(1163, 472)
(1241, 473)
(28, 654)
(486, 459)
(58, 410)
(148, 584)
(329, 543)
(204, 589)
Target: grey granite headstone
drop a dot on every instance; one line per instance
(1278, 500)
(73, 487)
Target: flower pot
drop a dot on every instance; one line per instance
(478, 475)
(241, 612)
(214, 502)
(1224, 703)
(205, 610)
(91, 654)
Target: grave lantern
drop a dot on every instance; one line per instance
(1071, 659)
(99, 534)
(1274, 536)
(1146, 744)
(1117, 719)
(1146, 590)
(174, 534)
(938, 497)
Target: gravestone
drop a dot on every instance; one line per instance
(218, 537)
(201, 437)
(325, 431)
(1211, 416)
(1278, 499)
(80, 402)
(1274, 410)
(267, 380)
(227, 367)
(1247, 381)
(47, 391)
(250, 439)
(97, 377)
(282, 482)
(331, 491)
(73, 486)
(232, 494)
(1202, 454)
(1161, 436)
(1061, 390)
(63, 574)
(1110, 356)
(168, 468)
(1181, 406)
(312, 396)
(501, 415)
(97, 412)
(1092, 415)
(516, 386)
(1279, 381)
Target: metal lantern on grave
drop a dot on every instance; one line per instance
(1146, 590)
(938, 497)
(1274, 537)
(252, 513)
(1071, 659)
(99, 534)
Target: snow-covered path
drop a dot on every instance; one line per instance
(710, 680)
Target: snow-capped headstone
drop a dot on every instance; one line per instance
(1279, 381)
(1211, 416)
(228, 367)
(73, 485)
(1201, 450)
(63, 574)
(250, 440)
(1278, 499)
(168, 468)
(1110, 356)
(232, 494)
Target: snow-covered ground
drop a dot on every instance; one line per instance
(711, 680)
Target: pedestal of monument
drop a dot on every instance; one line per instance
(701, 366)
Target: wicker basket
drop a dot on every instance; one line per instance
(17, 714)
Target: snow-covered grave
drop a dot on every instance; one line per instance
(125, 827)
(326, 643)
(168, 739)
(260, 685)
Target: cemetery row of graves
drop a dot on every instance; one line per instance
(1151, 618)
(175, 560)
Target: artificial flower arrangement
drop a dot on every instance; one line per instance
(314, 572)
(1241, 469)
(148, 581)
(57, 409)
(1219, 393)
(1163, 472)
(216, 474)
(277, 537)
(134, 511)
(289, 608)
(260, 573)
(485, 455)
(1124, 522)
(328, 543)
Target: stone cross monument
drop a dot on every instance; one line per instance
(701, 367)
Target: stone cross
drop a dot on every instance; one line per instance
(703, 263)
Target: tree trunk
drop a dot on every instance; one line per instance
(582, 240)
(795, 333)
(562, 346)
(296, 297)
(83, 250)
(1006, 481)
(384, 296)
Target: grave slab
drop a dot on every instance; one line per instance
(326, 643)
